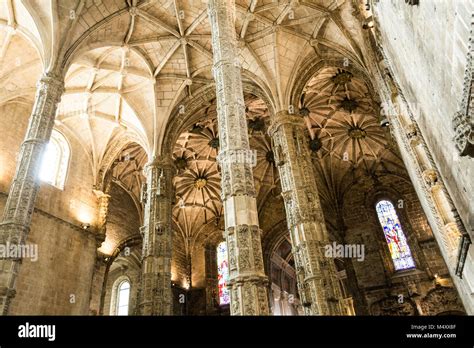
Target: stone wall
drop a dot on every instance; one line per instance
(123, 220)
(66, 252)
(426, 48)
(378, 281)
(178, 262)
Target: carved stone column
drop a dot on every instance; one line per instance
(210, 257)
(156, 296)
(18, 212)
(317, 280)
(463, 121)
(103, 200)
(247, 280)
(100, 267)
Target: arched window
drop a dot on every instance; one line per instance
(55, 161)
(123, 296)
(396, 240)
(223, 273)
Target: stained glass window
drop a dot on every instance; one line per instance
(123, 296)
(223, 273)
(396, 240)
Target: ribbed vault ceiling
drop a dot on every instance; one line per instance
(198, 202)
(129, 63)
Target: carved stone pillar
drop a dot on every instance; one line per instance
(247, 280)
(100, 267)
(156, 296)
(463, 121)
(103, 200)
(210, 257)
(317, 280)
(18, 212)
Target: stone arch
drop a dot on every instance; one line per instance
(140, 118)
(115, 288)
(313, 65)
(79, 51)
(279, 267)
(271, 241)
(80, 45)
(180, 120)
(114, 148)
(23, 56)
(40, 38)
(441, 300)
(393, 307)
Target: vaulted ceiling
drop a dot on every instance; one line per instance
(198, 213)
(129, 64)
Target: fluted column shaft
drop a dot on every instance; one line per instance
(316, 274)
(247, 280)
(19, 207)
(156, 296)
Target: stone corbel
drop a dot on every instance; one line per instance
(430, 177)
(412, 135)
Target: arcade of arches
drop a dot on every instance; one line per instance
(236, 157)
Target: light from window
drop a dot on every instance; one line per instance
(223, 273)
(396, 240)
(55, 161)
(123, 296)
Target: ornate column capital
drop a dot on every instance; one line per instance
(50, 84)
(101, 194)
(161, 162)
(283, 118)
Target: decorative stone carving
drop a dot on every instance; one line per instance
(143, 193)
(317, 279)
(441, 300)
(156, 296)
(464, 138)
(463, 121)
(19, 207)
(434, 194)
(247, 280)
(103, 200)
(431, 178)
(412, 135)
(133, 11)
(392, 307)
(411, 131)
